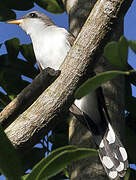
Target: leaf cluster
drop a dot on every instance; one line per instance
(13, 67)
(117, 54)
(7, 7)
(17, 69)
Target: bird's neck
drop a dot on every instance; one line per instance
(37, 30)
(46, 34)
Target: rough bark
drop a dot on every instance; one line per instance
(46, 111)
(27, 96)
(113, 90)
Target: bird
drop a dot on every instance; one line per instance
(51, 45)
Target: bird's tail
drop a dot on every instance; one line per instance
(113, 155)
(111, 151)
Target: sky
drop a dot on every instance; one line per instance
(130, 30)
(8, 31)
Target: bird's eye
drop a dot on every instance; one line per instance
(33, 15)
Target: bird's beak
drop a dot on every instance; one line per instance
(18, 21)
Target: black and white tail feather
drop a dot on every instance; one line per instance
(113, 155)
(111, 151)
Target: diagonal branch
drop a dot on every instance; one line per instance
(27, 96)
(46, 111)
(113, 92)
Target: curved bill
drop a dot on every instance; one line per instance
(18, 21)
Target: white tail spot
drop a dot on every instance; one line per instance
(111, 135)
(115, 155)
(107, 162)
(120, 167)
(101, 144)
(113, 174)
(123, 153)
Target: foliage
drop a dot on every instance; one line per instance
(12, 67)
(7, 7)
(54, 6)
(13, 169)
(96, 81)
(20, 61)
(57, 160)
(117, 54)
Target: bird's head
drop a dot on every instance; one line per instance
(32, 22)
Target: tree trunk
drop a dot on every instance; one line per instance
(113, 92)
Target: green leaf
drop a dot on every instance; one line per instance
(131, 174)
(127, 175)
(10, 77)
(111, 52)
(132, 77)
(11, 82)
(117, 53)
(12, 46)
(96, 81)
(66, 173)
(61, 160)
(28, 53)
(10, 165)
(35, 171)
(53, 6)
(58, 160)
(6, 14)
(11, 71)
(26, 68)
(32, 158)
(132, 45)
(59, 136)
(123, 50)
(58, 140)
(19, 5)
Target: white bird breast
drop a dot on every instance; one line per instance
(54, 45)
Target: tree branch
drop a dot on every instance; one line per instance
(27, 96)
(91, 168)
(46, 111)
